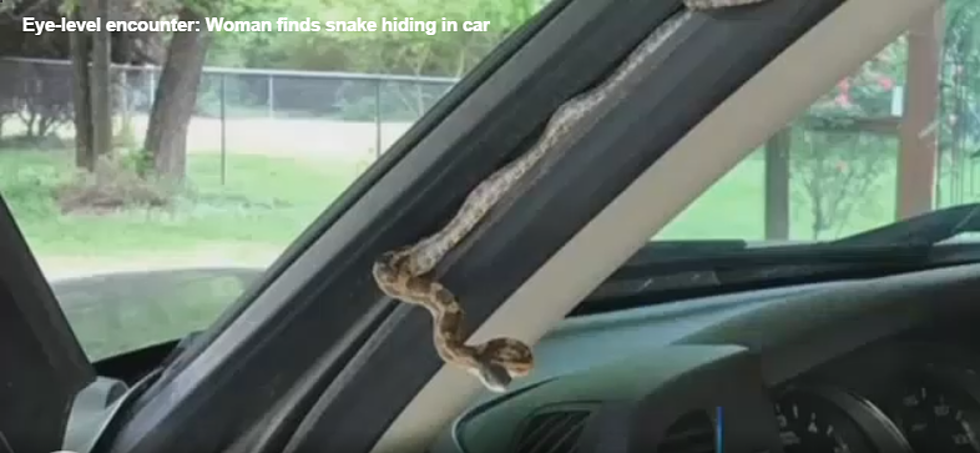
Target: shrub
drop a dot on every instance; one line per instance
(114, 185)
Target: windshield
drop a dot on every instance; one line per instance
(898, 137)
(155, 187)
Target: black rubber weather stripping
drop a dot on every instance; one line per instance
(320, 303)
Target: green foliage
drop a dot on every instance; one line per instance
(833, 173)
(867, 93)
(959, 122)
(139, 162)
(31, 188)
(834, 166)
(449, 53)
(446, 53)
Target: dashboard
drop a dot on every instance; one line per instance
(879, 365)
(896, 396)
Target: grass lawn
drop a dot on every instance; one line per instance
(265, 202)
(734, 208)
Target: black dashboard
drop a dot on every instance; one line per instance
(876, 365)
(902, 396)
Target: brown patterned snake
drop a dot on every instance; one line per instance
(404, 273)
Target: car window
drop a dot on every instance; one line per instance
(152, 200)
(897, 137)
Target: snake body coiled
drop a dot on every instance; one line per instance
(405, 274)
(495, 362)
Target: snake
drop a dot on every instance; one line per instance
(405, 273)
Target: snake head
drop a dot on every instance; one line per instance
(494, 377)
(514, 356)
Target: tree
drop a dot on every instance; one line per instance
(90, 52)
(834, 173)
(165, 144)
(446, 54)
(959, 124)
(176, 94)
(92, 55)
(32, 93)
(835, 166)
(85, 155)
(100, 82)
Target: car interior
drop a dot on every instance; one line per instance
(829, 353)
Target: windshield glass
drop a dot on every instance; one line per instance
(155, 175)
(898, 137)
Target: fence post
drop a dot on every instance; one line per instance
(223, 148)
(377, 118)
(151, 83)
(270, 86)
(124, 100)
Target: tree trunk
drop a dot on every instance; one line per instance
(101, 83)
(176, 96)
(79, 42)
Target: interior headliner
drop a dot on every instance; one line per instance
(774, 96)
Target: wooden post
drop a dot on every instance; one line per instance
(777, 185)
(919, 130)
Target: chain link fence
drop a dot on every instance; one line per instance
(354, 117)
(272, 112)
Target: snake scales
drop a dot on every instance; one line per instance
(404, 273)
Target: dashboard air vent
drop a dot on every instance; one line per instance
(552, 432)
(692, 433)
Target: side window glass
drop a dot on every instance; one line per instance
(156, 174)
(895, 138)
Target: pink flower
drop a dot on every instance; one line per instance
(843, 100)
(885, 82)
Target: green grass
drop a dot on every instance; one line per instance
(734, 208)
(171, 304)
(264, 203)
